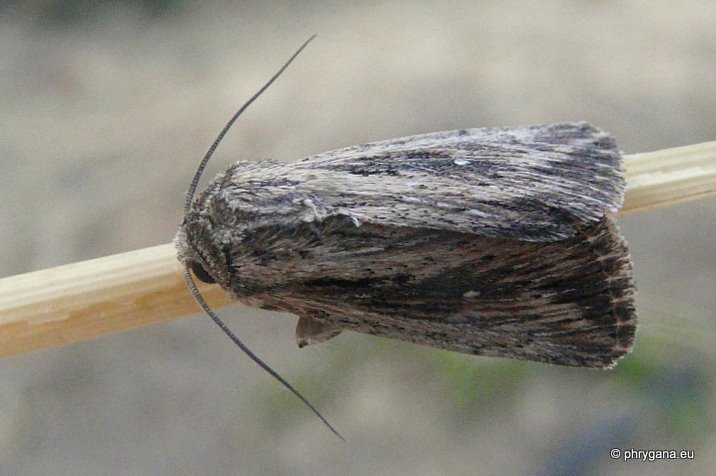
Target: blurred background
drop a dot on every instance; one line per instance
(106, 109)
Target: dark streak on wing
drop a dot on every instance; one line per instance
(568, 302)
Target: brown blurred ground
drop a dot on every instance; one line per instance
(104, 116)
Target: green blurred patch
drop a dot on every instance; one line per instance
(479, 379)
(678, 394)
(477, 383)
(68, 13)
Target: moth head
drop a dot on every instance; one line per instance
(200, 247)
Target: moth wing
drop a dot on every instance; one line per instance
(535, 183)
(569, 302)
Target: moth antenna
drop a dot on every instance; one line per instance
(190, 281)
(210, 152)
(200, 299)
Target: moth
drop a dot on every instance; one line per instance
(489, 241)
(484, 241)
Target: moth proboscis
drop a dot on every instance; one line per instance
(491, 241)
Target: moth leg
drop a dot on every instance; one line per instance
(310, 331)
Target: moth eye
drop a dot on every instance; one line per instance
(201, 273)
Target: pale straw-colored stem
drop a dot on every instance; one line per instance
(665, 177)
(79, 301)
